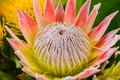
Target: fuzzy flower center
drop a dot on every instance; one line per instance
(61, 49)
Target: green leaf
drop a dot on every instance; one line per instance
(6, 76)
(27, 77)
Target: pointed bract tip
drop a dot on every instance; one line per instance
(114, 31)
(117, 37)
(89, 1)
(59, 12)
(70, 11)
(49, 15)
(117, 29)
(114, 14)
(97, 6)
(18, 12)
(7, 28)
(34, 1)
(117, 48)
(13, 43)
(116, 11)
(59, 4)
(8, 39)
(36, 4)
(11, 33)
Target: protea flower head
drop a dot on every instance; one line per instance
(60, 45)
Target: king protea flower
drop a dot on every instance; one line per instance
(60, 45)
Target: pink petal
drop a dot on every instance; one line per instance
(87, 72)
(83, 14)
(49, 12)
(28, 71)
(16, 43)
(22, 50)
(18, 49)
(27, 26)
(91, 19)
(13, 35)
(13, 43)
(59, 13)
(22, 58)
(19, 55)
(98, 32)
(108, 41)
(70, 11)
(23, 63)
(39, 77)
(33, 74)
(69, 78)
(108, 36)
(104, 56)
(38, 13)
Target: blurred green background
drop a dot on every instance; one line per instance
(9, 65)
